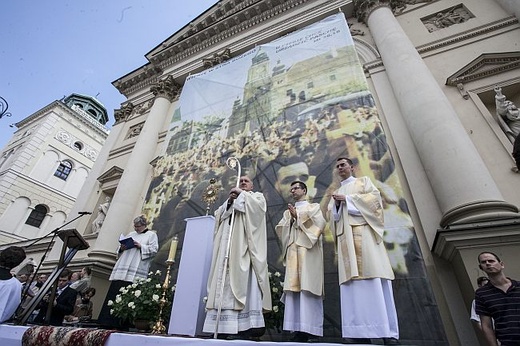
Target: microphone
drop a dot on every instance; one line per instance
(84, 212)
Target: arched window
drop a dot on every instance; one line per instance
(63, 170)
(78, 146)
(37, 216)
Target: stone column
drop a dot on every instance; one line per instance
(129, 192)
(91, 183)
(464, 188)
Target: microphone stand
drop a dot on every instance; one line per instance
(54, 233)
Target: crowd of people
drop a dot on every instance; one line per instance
(71, 299)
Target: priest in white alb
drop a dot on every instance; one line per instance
(365, 273)
(301, 231)
(246, 292)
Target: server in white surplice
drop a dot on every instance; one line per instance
(301, 230)
(365, 273)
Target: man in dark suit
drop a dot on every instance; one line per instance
(62, 305)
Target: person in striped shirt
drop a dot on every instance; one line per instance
(498, 301)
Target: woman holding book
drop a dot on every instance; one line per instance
(135, 254)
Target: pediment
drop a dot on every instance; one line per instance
(112, 174)
(485, 65)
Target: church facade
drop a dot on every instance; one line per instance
(436, 71)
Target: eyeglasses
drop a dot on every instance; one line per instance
(295, 188)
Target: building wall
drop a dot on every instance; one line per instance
(43, 140)
(449, 254)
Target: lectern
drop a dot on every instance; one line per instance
(187, 317)
(73, 241)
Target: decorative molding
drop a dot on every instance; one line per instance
(86, 116)
(217, 58)
(219, 23)
(141, 78)
(463, 91)
(123, 113)
(134, 131)
(485, 65)
(443, 19)
(68, 139)
(363, 8)
(114, 173)
(167, 88)
(466, 35)
(448, 243)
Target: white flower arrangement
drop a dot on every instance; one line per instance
(141, 300)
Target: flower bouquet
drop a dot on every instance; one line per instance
(140, 300)
(274, 318)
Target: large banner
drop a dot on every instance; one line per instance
(287, 110)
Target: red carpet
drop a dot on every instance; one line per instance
(64, 336)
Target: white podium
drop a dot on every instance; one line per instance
(187, 317)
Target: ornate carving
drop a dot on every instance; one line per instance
(143, 107)
(124, 112)
(167, 88)
(446, 18)
(134, 131)
(363, 8)
(68, 139)
(355, 32)
(217, 58)
(463, 91)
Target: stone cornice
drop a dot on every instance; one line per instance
(100, 130)
(221, 22)
(485, 65)
(454, 39)
(466, 35)
(138, 79)
(476, 235)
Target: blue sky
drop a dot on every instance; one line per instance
(50, 49)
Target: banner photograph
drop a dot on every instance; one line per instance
(287, 110)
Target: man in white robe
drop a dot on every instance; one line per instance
(133, 263)
(10, 286)
(301, 231)
(365, 273)
(246, 292)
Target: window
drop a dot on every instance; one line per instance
(78, 146)
(63, 170)
(37, 216)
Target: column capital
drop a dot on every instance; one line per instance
(363, 8)
(124, 112)
(167, 88)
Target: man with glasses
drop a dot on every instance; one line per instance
(365, 273)
(301, 228)
(133, 262)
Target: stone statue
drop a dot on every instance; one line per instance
(508, 113)
(102, 213)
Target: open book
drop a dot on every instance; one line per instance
(127, 242)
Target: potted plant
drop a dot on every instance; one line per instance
(140, 301)
(274, 318)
